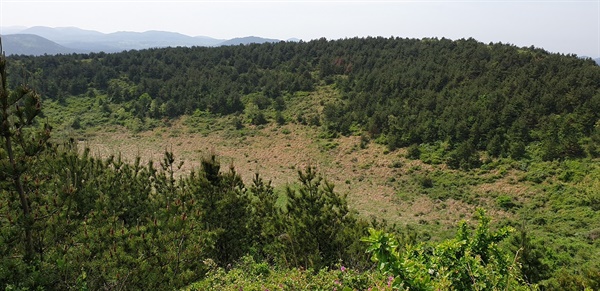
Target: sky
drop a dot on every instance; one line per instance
(569, 26)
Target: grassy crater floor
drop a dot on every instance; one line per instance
(378, 183)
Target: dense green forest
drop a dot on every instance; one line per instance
(71, 220)
(495, 98)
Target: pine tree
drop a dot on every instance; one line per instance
(317, 223)
(18, 109)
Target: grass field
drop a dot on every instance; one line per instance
(377, 183)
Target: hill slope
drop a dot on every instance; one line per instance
(81, 40)
(551, 202)
(475, 97)
(29, 44)
(247, 40)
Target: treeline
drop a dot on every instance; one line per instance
(495, 98)
(177, 80)
(476, 97)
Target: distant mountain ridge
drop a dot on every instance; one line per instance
(65, 40)
(31, 44)
(247, 40)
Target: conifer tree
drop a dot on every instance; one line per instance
(317, 221)
(18, 109)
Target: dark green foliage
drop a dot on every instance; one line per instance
(125, 225)
(505, 202)
(180, 80)
(110, 224)
(225, 209)
(237, 122)
(364, 141)
(267, 220)
(413, 152)
(499, 98)
(318, 228)
(20, 145)
(464, 156)
(279, 118)
(256, 115)
(335, 119)
(531, 257)
(516, 150)
(258, 118)
(560, 138)
(72, 220)
(425, 181)
(261, 101)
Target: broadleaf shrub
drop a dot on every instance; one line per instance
(470, 261)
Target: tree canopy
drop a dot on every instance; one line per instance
(494, 97)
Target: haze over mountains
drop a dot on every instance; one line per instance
(39, 40)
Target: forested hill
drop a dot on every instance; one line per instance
(469, 95)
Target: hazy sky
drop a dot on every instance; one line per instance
(557, 26)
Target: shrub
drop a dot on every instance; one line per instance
(505, 202)
(425, 181)
(464, 156)
(470, 261)
(413, 152)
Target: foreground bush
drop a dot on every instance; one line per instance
(467, 262)
(250, 275)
